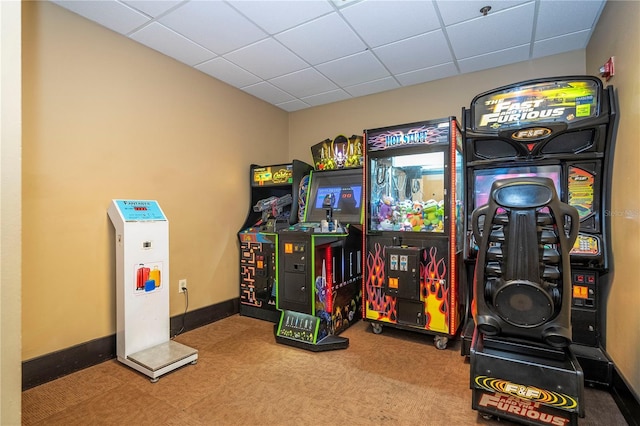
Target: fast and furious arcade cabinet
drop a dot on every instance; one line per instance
(320, 262)
(275, 203)
(563, 129)
(414, 228)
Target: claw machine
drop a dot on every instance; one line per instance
(414, 228)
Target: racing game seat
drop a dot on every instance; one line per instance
(522, 284)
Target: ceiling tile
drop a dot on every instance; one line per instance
(456, 11)
(415, 53)
(566, 43)
(496, 31)
(293, 105)
(354, 69)
(377, 86)
(327, 98)
(210, 23)
(113, 15)
(494, 59)
(324, 39)
(383, 22)
(228, 72)
(552, 17)
(268, 92)
(298, 53)
(277, 16)
(343, 3)
(304, 83)
(258, 58)
(427, 74)
(162, 39)
(152, 8)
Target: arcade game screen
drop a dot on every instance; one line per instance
(344, 188)
(484, 178)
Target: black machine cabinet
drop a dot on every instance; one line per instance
(320, 264)
(275, 204)
(521, 365)
(414, 228)
(562, 128)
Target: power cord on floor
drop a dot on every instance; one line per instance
(186, 306)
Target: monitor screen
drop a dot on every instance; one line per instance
(342, 188)
(484, 178)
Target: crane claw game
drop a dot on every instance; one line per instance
(275, 203)
(320, 259)
(562, 128)
(414, 228)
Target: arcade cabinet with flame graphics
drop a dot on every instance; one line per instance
(320, 262)
(562, 128)
(275, 204)
(414, 235)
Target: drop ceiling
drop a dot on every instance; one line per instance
(303, 53)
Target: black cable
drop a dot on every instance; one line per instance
(186, 306)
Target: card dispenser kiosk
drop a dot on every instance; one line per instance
(142, 290)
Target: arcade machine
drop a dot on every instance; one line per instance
(320, 259)
(521, 367)
(142, 290)
(275, 204)
(414, 236)
(561, 128)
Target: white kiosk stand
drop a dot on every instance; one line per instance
(142, 290)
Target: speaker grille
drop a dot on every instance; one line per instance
(494, 148)
(523, 304)
(570, 142)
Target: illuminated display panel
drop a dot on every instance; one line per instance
(345, 186)
(484, 178)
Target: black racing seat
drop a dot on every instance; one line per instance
(522, 284)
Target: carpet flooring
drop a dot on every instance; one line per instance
(243, 377)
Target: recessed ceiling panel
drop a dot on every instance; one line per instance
(354, 69)
(291, 106)
(415, 53)
(111, 14)
(258, 58)
(566, 43)
(427, 74)
(564, 17)
(172, 44)
(152, 8)
(303, 83)
(502, 30)
(327, 98)
(228, 72)
(277, 16)
(376, 86)
(454, 11)
(268, 92)
(324, 39)
(214, 25)
(383, 22)
(494, 59)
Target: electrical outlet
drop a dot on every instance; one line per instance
(182, 284)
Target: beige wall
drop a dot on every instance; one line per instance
(10, 221)
(105, 117)
(617, 34)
